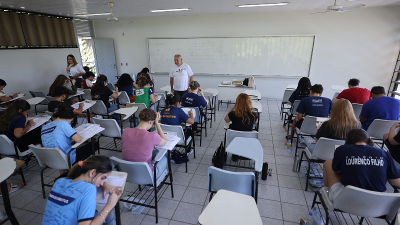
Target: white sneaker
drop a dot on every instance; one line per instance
(189, 153)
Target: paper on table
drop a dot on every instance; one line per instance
(88, 130)
(18, 97)
(226, 82)
(86, 105)
(114, 181)
(39, 121)
(186, 110)
(171, 142)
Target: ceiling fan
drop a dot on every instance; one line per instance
(339, 8)
(111, 19)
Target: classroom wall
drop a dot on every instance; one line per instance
(363, 43)
(27, 70)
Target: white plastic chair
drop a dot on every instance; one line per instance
(360, 202)
(308, 128)
(335, 95)
(100, 109)
(52, 158)
(291, 113)
(162, 103)
(378, 128)
(123, 98)
(231, 134)
(210, 107)
(324, 150)
(140, 173)
(200, 120)
(285, 100)
(111, 130)
(110, 86)
(239, 182)
(357, 109)
(87, 95)
(140, 106)
(49, 98)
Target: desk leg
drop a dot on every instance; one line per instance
(7, 204)
(117, 212)
(257, 178)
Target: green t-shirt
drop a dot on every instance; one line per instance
(143, 96)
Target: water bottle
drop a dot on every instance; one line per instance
(288, 144)
(286, 127)
(310, 219)
(317, 217)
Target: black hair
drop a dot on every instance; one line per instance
(353, 82)
(11, 112)
(145, 70)
(303, 87)
(89, 74)
(99, 87)
(64, 112)
(317, 88)
(124, 80)
(61, 90)
(86, 69)
(358, 135)
(2, 82)
(377, 90)
(100, 163)
(172, 99)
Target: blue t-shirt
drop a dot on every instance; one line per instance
(193, 100)
(70, 203)
(128, 89)
(364, 167)
(315, 106)
(296, 96)
(19, 121)
(57, 134)
(386, 108)
(173, 116)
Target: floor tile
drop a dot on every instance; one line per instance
(188, 213)
(293, 196)
(269, 208)
(293, 213)
(195, 196)
(166, 208)
(289, 182)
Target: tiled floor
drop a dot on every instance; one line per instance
(281, 197)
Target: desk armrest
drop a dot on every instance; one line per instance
(160, 154)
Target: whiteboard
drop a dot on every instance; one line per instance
(286, 56)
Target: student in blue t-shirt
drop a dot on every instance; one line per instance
(315, 105)
(302, 90)
(126, 83)
(379, 107)
(58, 134)
(193, 99)
(72, 200)
(174, 115)
(361, 165)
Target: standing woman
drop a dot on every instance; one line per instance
(75, 70)
(241, 114)
(72, 200)
(302, 90)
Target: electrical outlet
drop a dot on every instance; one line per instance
(123, 34)
(122, 64)
(126, 63)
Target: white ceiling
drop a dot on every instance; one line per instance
(140, 8)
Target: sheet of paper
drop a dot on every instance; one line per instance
(86, 105)
(171, 142)
(18, 97)
(115, 181)
(186, 110)
(39, 121)
(88, 130)
(226, 82)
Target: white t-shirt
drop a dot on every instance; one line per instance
(75, 70)
(181, 75)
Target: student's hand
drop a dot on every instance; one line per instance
(188, 90)
(153, 80)
(190, 113)
(395, 125)
(158, 116)
(30, 123)
(172, 90)
(113, 198)
(14, 95)
(155, 95)
(108, 188)
(81, 105)
(73, 81)
(116, 89)
(201, 91)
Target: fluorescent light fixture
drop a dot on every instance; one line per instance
(170, 10)
(265, 4)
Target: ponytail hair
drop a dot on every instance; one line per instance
(358, 135)
(100, 163)
(194, 85)
(63, 112)
(172, 99)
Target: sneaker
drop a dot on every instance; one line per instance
(189, 153)
(14, 188)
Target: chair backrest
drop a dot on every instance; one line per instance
(357, 109)
(293, 110)
(197, 116)
(162, 103)
(111, 128)
(123, 98)
(209, 97)
(231, 134)
(7, 146)
(325, 148)
(357, 201)
(110, 86)
(87, 95)
(140, 106)
(138, 172)
(309, 125)
(37, 94)
(49, 98)
(335, 95)
(239, 182)
(380, 127)
(286, 95)
(177, 129)
(51, 157)
(99, 108)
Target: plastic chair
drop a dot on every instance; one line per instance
(200, 120)
(87, 95)
(110, 86)
(335, 95)
(285, 100)
(52, 158)
(111, 130)
(184, 143)
(123, 98)
(231, 134)
(100, 109)
(49, 98)
(39, 94)
(161, 103)
(308, 128)
(378, 128)
(291, 113)
(357, 201)
(324, 150)
(210, 107)
(239, 182)
(140, 173)
(357, 109)
(140, 106)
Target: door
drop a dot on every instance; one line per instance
(105, 58)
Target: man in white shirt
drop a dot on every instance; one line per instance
(181, 76)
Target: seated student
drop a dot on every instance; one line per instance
(145, 72)
(86, 69)
(144, 94)
(302, 90)
(341, 121)
(58, 134)
(125, 83)
(193, 99)
(87, 82)
(392, 141)
(14, 124)
(315, 105)
(242, 116)
(354, 94)
(138, 143)
(174, 115)
(62, 80)
(101, 92)
(359, 164)
(379, 107)
(72, 200)
(3, 97)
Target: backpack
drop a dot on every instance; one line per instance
(220, 156)
(179, 157)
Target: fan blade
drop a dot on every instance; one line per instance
(352, 7)
(94, 14)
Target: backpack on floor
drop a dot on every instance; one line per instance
(179, 157)
(219, 157)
